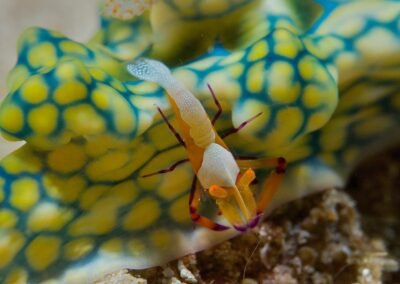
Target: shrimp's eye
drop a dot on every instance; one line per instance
(217, 191)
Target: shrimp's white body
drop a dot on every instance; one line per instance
(218, 167)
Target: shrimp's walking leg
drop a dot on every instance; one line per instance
(194, 200)
(243, 124)
(180, 140)
(272, 182)
(219, 112)
(167, 170)
(178, 137)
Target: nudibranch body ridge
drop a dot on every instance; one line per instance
(72, 199)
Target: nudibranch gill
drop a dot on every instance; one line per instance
(73, 202)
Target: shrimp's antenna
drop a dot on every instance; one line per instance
(241, 126)
(217, 103)
(251, 255)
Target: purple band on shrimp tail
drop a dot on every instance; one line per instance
(250, 225)
(241, 229)
(254, 222)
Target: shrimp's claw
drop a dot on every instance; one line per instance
(194, 201)
(272, 182)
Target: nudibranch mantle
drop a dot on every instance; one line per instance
(72, 199)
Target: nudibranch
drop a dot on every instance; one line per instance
(73, 202)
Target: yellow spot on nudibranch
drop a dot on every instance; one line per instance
(161, 238)
(73, 47)
(233, 58)
(125, 192)
(96, 222)
(258, 51)
(145, 212)
(34, 90)
(91, 195)
(48, 217)
(99, 146)
(236, 70)
(204, 64)
(70, 70)
(43, 119)
(317, 120)
(313, 96)
(69, 92)
(11, 118)
(146, 86)
(42, 251)
(101, 218)
(146, 151)
(10, 244)
(112, 246)
(65, 189)
(67, 158)
(117, 85)
(124, 117)
(281, 88)
(42, 54)
(100, 98)
(255, 77)
(17, 276)
(23, 160)
(8, 219)
(17, 76)
(351, 27)
(107, 163)
(98, 74)
(171, 188)
(288, 123)
(179, 210)
(286, 49)
(83, 120)
(306, 67)
(24, 193)
(78, 248)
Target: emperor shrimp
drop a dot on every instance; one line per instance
(226, 179)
